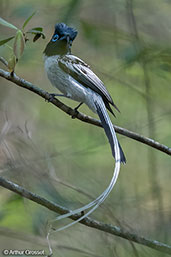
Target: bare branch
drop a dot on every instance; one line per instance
(4, 61)
(108, 228)
(27, 85)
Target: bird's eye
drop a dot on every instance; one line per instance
(55, 38)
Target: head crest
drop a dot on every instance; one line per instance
(63, 30)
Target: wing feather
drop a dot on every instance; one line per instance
(80, 71)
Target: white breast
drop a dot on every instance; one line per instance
(56, 76)
(66, 84)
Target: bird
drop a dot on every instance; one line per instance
(76, 80)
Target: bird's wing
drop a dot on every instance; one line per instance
(81, 72)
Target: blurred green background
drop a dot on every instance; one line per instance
(127, 44)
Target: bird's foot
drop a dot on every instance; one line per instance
(51, 97)
(82, 213)
(75, 114)
(76, 111)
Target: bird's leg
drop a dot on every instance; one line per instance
(76, 110)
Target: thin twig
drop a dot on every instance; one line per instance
(108, 228)
(27, 85)
(3, 61)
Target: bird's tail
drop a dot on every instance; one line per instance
(108, 127)
(119, 157)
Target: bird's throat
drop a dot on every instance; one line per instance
(56, 48)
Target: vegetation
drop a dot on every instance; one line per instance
(127, 43)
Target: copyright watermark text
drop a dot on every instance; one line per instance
(26, 252)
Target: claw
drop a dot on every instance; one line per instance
(51, 97)
(82, 213)
(76, 113)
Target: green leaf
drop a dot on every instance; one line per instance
(19, 44)
(4, 41)
(40, 29)
(36, 31)
(7, 24)
(28, 19)
(36, 37)
(11, 63)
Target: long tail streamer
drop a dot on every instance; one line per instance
(117, 153)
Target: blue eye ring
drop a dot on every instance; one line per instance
(55, 38)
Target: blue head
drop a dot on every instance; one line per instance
(61, 40)
(63, 32)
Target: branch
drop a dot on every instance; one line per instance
(27, 85)
(4, 61)
(114, 230)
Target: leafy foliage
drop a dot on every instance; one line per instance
(7, 24)
(4, 41)
(20, 39)
(69, 162)
(19, 44)
(37, 32)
